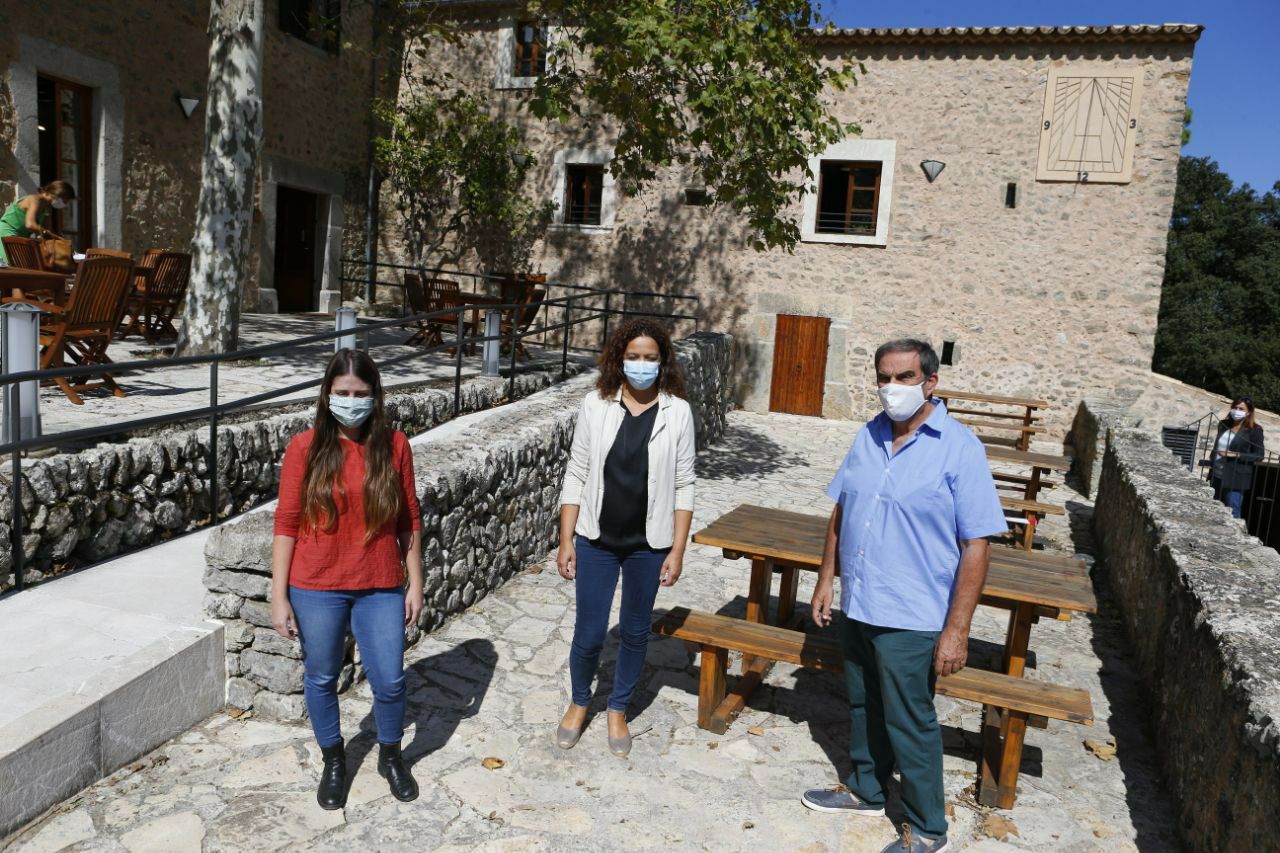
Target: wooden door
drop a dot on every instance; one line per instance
(799, 364)
(64, 115)
(295, 250)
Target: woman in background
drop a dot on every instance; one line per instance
(1238, 446)
(27, 216)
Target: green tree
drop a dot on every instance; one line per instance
(458, 175)
(1219, 326)
(733, 88)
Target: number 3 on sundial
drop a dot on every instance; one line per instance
(1090, 124)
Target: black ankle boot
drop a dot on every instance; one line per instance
(391, 767)
(332, 793)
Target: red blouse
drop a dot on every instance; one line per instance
(341, 559)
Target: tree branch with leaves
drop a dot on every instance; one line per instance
(733, 89)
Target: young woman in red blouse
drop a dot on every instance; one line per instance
(346, 535)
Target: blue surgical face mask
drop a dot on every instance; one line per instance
(641, 374)
(351, 411)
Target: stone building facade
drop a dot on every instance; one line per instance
(1037, 252)
(90, 92)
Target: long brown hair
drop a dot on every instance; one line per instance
(670, 376)
(61, 189)
(383, 492)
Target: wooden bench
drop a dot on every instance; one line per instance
(1010, 700)
(1019, 480)
(989, 418)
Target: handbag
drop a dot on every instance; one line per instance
(55, 254)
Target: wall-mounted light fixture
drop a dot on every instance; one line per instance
(932, 168)
(188, 105)
(519, 160)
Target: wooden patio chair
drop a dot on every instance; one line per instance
(434, 294)
(82, 329)
(157, 296)
(23, 252)
(106, 253)
(530, 298)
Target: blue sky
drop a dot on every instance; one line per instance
(1235, 75)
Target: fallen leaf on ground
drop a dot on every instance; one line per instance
(535, 570)
(1104, 751)
(950, 810)
(712, 745)
(999, 828)
(492, 763)
(756, 730)
(746, 824)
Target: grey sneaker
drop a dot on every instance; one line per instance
(909, 842)
(840, 799)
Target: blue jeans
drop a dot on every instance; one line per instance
(376, 618)
(1235, 500)
(597, 578)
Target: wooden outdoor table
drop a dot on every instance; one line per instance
(1017, 580)
(28, 284)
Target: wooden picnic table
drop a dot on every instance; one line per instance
(1024, 421)
(1017, 580)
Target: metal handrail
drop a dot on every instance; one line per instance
(216, 410)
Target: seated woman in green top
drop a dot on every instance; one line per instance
(26, 217)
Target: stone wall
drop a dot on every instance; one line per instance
(489, 488)
(1201, 603)
(87, 506)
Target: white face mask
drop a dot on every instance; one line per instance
(900, 402)
(58, 203)
(1238, 414)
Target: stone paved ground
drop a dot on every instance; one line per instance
(492, 684)
(177, 389)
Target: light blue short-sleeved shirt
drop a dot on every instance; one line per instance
(903, 516)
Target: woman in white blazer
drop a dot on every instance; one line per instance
(626, 507)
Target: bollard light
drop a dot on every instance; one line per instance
(20, 332)
(492, 326)
(346, 319)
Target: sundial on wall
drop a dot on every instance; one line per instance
(1089, 124)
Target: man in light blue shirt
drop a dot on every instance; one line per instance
(915, 501)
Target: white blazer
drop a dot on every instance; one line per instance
(671, 455)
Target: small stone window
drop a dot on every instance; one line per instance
(848, 198)
(530, 49)
(696, 197)
(850, 194)
(584, 193)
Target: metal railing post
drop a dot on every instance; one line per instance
(20, 337)
(213, 443)
(492, 326)
(515, 340)
(18, 561)
(564, 337)
(344, 319)
(457, 366)
(604, 337)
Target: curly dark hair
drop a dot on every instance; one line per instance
(670, 374)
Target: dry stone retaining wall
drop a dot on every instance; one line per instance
(490, 498)
(1201, 604)
(91, 505)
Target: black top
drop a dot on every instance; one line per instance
(626, 483)
(1235, 474)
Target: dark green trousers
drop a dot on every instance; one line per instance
(890, 678)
